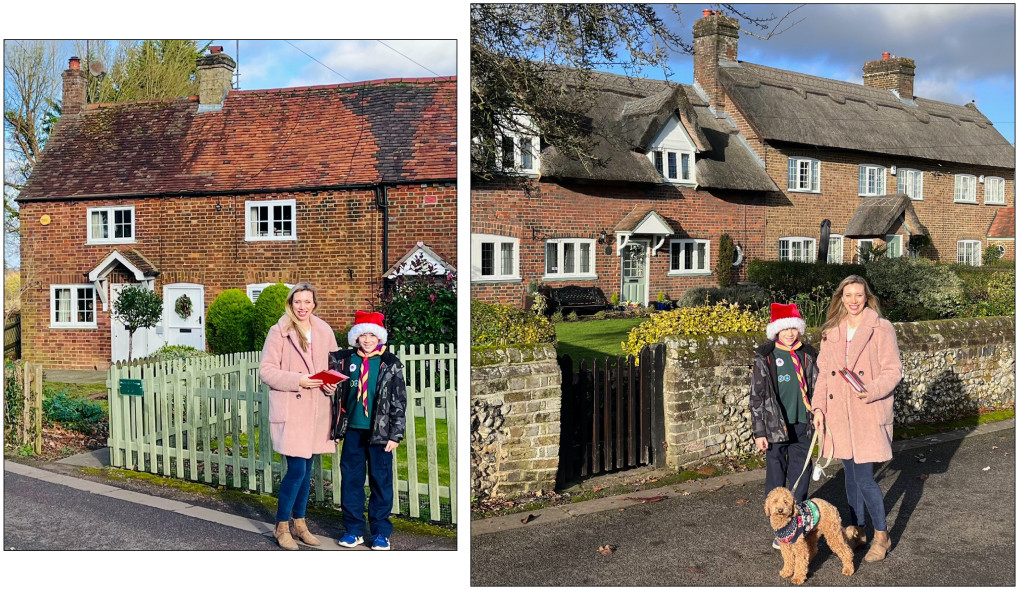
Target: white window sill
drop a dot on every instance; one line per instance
(108, 241)
(802, 191)
(72, 326)
(995, 203)
(872, 194)
(292, 238)
(558, 277)
(689, 272)
(965, 202)
(497, 280)
(918, 199)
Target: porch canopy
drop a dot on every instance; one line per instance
(641, 222)
(419, 261)
(876, 215)
(131, 260)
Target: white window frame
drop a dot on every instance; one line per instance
(476, 258)
(674, 148)
(789, 241)
(861, 243)
(963, 255)
(891, 238)
(918, 183)
(832, 237)
(962, 192)
(271, 204)
(994, 195)
(253, 290)
(110, 211)
(577, 260)
(793, 175)
(871, 180)
(679, 261)
(74, 322)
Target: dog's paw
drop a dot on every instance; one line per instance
(848, 569)
(786, 573)
(798, 580)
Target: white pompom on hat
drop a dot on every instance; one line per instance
(368, 323)
(785, 317)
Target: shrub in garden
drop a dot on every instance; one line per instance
(13, 399)
(169, 352)
(688, 321)
(787, 279)
(750, 295)
(723, 270)
(229, 323)
(421, 310)
(500, 325)
(988, 292)
(267, 311)
(915, 290)
(80, 415)
(990, 255)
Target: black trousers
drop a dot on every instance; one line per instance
(785, 460)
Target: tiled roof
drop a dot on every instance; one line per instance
(1002, 224)
(396, 130)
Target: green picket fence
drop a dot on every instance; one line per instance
(207, 419)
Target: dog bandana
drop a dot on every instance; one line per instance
(364, 376)
(799, 370)
(807, 516)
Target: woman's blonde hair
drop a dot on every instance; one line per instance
(299, 287)
(837, 311)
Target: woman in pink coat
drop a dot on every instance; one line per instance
(858, 423)
(297, 347)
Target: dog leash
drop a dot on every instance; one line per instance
(817, 438)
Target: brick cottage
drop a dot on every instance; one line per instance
(231, 189)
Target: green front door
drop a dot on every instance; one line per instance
(634, 272)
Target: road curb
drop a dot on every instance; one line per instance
(556, 513)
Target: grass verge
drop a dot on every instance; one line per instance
(594, 339)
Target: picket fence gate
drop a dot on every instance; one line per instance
(207, 419)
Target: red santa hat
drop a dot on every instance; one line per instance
(785, 317)
(368, 323)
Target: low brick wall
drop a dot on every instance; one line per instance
(516, 406)
(949, 367)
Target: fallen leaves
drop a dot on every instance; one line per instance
(607, 549)
(529, 518)
(742, 501)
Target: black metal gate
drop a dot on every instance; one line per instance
(612, 414)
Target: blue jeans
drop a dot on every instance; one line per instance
(862, 490)
(294, 492)
(356, 454)
(786, 459)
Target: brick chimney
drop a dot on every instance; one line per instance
(214, 71)
(891, 73)
(715, 38)
(75, 83)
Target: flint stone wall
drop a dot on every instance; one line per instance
(949, 367)
(516, 405)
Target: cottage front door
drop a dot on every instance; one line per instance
(634, 272)
(184, 313)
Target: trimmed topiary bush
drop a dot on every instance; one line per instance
(723, 270)
(498, 325)
(229, 323)
(915, 290)
(267, 311)
(787, 279)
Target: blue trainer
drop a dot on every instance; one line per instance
(775, 544)
(350, 540)
(380, 542)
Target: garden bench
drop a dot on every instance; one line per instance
(577, 297)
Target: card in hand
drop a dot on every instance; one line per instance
(329, 376)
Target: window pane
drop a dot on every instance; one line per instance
(835, 245)
(123, 223)
(792, 173)
(659, 163)
(99, 225)
(508, 152)
(684, 160)
(804, 179)
(672, 165)
(688, 256)
(551, 258)
(506, 259)
(85, 305)
(526, 153)
(674, 255)
(62, 305)
(259, 221)
(585, 258)
(783, 249)
(815, 176)
(569, 256)
(701, 256)
(487, 259)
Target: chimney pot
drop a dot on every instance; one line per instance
(74, 63)
(215, 49)
(707, 12)
(886, 55)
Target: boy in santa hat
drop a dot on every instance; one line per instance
(369, 419)
(780, 401)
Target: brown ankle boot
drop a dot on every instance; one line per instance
(855, 536)
(303, 533)
(284, 537)
(880, 545)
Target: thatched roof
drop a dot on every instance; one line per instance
(876, 215)
(797, 108)
(626, 117)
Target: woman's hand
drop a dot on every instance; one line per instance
(819, 420)
(390, 446)
(762, 444)
(329, 389)
(309, 383)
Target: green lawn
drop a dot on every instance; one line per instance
(583, 340)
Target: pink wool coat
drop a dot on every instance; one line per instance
(860, 428)
(300, 418)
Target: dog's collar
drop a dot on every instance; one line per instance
(807, 516)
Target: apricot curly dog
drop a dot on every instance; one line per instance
(798, 526)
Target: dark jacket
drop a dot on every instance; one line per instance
(388, 410)
(766, 415)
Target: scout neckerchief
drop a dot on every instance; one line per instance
(799, 370)
(364, 375)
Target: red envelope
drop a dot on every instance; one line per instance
(329, 376)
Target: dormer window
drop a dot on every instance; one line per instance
(519, 148)
(673, 154)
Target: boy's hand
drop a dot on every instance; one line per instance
(762, 444)
(391, 445)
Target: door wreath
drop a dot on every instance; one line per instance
(183, 306)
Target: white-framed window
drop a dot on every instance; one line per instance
(893, 246)
(270, 220)
(72, 305)
(995, 190)
(673, 153)
(494, 257)
(520, 153)
(861, 244)
(689, 256)
(569, 258)
(804, 175)
(911, 183)
(871, 180)
(111, 224)
(797, 249)
(835, 249)
(968, 251)
(254, 290)
(964, 188)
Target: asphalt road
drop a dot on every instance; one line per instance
(954, 527)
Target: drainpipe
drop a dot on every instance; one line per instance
(382, 203)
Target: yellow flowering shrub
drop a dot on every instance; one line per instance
(688, 321)
(499, 325)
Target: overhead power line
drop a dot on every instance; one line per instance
(409, 58)
(318, 61)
